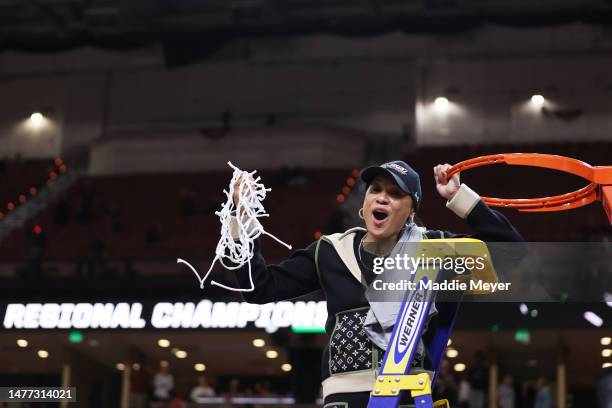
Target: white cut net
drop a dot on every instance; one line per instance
(238, 250)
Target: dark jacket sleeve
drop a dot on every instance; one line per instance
(488, 225)
(493, 228)
(294, 277)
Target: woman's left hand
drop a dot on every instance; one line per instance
(446, 187)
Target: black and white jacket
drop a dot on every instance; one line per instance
(350, 360)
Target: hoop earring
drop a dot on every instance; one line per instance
(360, 213)
(412, 219)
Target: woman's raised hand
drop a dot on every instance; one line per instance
(447, 187)
(236, 196)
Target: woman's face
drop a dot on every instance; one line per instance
(385, 209)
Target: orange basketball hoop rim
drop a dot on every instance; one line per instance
(598, 189)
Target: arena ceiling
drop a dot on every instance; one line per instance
(55, 25)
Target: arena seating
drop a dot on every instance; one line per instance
(135, 216)
(17, 176)
(125, 208)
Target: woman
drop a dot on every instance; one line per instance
(342, 266)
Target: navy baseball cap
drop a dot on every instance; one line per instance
(406, 178)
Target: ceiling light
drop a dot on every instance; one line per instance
(537, 100)
(120, 366)
(181, 354)
(441, 103)
(37, 120)
(605, 341)
(593, 318)
(163, 343)
(43, 353)
(271, 353)
(452, 353)
(22, 343)
(608, 298)
(286, 367)
(199, 367)
(459, 367)
(259, 342)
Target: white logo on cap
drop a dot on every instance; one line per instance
(396, 167)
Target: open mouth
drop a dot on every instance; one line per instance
(380, 215)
